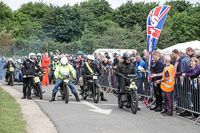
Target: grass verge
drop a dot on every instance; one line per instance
(10, 116)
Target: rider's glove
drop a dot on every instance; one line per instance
(74, 77)
(24, 76)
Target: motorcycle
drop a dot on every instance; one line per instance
(130, 97)
(52, 78)
(92, 88)
(11, 76)
(36, 86)
(64, 89)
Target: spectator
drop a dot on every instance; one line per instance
(45, 67)
(134, 53)
(167, 85)
(105, 63)
(51, 56)
(197, 53)
(106, 55)
(176, 56)
(140, 67)
(192, 93)
(158, 68)
(190, 52)
(173, 58)
(183, 64)
(194, 70)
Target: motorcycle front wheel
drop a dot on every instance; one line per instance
(134, 102)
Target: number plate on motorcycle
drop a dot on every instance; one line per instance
(66, 80)
(11, 69)
(37, 79)
(94, 77)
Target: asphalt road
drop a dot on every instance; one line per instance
(106, 117)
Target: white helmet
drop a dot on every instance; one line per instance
(90, 57)
(10, 59)
(32, 57)
(55, 57)
(64, 60)
(39, 54)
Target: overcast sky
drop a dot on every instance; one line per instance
(15, 4)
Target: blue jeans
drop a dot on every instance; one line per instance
(77, 76)
(59, 81)
(140, 86)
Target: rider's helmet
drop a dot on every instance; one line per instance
(32, 57)
(125, 57)
(64, 61)
(90, 57)
(55, 57)
(10, 60)
(39, 55)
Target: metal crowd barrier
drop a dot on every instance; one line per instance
(187, 92)
(109, 82)
(188, 95)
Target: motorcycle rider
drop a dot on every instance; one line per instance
(53, 66)
(64, 69)
(9, 65)
(28, 71)
(89, 68)
(125, 68)
(39, 59)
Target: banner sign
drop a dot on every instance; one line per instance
(155, 22)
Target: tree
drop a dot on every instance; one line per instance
(6, 42)
(184, 28)
(130, 14)
(178, 6)
(6, 17)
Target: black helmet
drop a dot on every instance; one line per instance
(125, 56)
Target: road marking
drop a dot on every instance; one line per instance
(97, 109)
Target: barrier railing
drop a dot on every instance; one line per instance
(188, 95)
(187, 92)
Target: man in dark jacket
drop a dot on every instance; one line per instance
(124, 68)
(158, 68)
(183, 64)
(28, 71)
(90, 68)
(8, 66)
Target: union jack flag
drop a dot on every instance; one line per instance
(155, 22)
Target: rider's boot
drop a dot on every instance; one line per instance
(76, 96)
(102, 97)
(82, 87)
(24, 97)
(53, 97)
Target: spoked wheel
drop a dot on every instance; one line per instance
(134, 102)
(84, 93)
(120, 104)
(35, 90)
(66, 93)
(96, 94)
(39, 90)
(11, 80)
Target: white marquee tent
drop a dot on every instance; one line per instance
(192, 44)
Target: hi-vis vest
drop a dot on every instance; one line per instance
(55, 64)
(89, 68)
(62, 71)
(168, 86)
(39, 63)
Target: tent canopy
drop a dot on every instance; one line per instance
(192, 44)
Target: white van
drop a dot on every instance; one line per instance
(112, 51)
